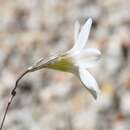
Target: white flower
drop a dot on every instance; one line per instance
(78, 59)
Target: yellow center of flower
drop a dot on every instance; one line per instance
(61, 63)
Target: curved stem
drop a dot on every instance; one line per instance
(13, 93)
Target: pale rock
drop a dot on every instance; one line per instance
(125, 103)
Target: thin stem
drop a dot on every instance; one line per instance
(13, 93)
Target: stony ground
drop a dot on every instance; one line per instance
(54, 100)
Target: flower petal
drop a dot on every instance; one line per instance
(88, 57)
(82, 38)
(84, 33)
(89, 82)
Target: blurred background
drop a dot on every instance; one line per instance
(54, 100)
